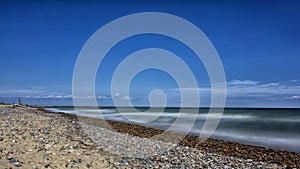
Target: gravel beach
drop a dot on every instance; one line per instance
(35, 138)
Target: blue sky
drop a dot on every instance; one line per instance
(258, 44)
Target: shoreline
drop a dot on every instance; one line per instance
(257, 127)
(211, 145)
(261, 155)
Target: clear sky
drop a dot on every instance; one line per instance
(258, 44)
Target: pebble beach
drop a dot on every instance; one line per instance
(36, 138)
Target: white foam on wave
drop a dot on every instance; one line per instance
(98, 111)
(288, 120)
(69, 111)
(167, 114)
(101, 113)
(200, 116)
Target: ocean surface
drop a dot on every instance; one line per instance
(274, 128)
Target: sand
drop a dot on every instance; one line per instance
(32, 139)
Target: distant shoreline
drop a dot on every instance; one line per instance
(144, 107)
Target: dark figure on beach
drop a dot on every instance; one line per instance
(19, 101)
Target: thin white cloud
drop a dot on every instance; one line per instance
(11, 91)
(294, 97)
(242, 82)
(50, 97)
(67, 96)
(238, 88)
(269, 85)
(58, 96)
(126, 98)
(116, 94)
(83, 97)
(102, 97)
(269, 88)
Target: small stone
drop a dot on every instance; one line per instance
(17, 164)
(111, 160)
(88, 165)
(249, 160)
(1, 139)
(59, 135)
(40, 149)
(47, 165)
(47, 146)
(12, 160)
